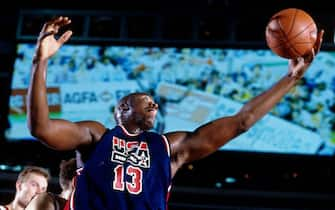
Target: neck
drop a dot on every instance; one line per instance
(135, 131)
(131, 130)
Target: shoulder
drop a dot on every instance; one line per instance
(166, 144)
(178, 136)
(156, 135)
(160, 139)
(93, 128)
(153, 135)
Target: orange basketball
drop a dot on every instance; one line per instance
(291, 33)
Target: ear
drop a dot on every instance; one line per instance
(124, 107)
(18, 185)
(120, 112)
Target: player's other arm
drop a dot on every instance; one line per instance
(56, 133)
(190, 146)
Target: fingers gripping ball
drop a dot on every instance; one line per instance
(291, 33)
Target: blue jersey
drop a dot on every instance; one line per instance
(125, 172)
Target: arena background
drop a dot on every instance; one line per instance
(224, 180)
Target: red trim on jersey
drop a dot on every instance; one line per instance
(168, 196)
(70, 202)
(67, 205)
(4, 207)
(167, 144)
(126, 132)
(79, 170)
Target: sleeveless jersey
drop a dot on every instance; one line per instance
(125, 172)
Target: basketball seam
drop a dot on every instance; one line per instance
(301, 32)
(290, 46)
(292, 22)
(294, 49)
(281, 36)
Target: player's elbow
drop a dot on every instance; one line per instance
(44, 137)
(37, 130)
(38, 134)
(39, 125)
(34, 130)
(246, 120)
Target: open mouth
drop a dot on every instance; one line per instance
(151, 109)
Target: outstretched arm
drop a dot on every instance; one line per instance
(189, 146)
(56, 133)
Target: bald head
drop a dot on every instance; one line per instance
(125, 104)
(136, 112)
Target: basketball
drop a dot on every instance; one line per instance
(291, 33)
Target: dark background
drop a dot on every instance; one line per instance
(224, 180)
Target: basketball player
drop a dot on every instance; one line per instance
(31, 181)
(50, 201)
(128, 167)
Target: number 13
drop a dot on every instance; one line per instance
(133, 187)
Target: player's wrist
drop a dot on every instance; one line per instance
(38, 59)
(294, 78)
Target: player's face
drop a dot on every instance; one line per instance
(32, 184)
(144, 111)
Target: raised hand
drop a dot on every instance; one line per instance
(47, 44)
(297, 67)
